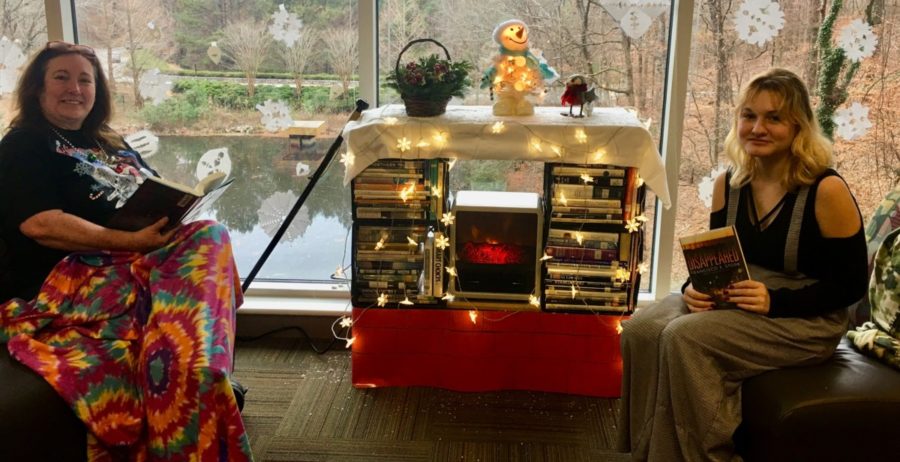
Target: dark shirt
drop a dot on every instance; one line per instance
(35, 177)
(838, 264)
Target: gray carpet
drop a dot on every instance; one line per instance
(302, 407)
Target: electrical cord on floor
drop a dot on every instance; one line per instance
(309, 339)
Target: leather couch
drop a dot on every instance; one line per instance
(845, 409)
(35, 423)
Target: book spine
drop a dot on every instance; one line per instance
(438, 268)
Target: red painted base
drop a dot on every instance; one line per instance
(553, 352)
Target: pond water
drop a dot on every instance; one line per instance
(268, 182)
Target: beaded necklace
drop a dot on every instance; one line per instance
(102, 155)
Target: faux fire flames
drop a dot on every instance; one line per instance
(493, 253)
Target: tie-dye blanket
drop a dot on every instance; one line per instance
(140, 346)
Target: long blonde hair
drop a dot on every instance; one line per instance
(811, 151)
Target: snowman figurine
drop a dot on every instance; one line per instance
(516, 73)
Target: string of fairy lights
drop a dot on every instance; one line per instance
(435, 137)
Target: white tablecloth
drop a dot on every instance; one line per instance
(610, 136)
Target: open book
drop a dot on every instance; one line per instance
(714, 260)
(156, 198)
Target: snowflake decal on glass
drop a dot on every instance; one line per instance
(214, 160)
(144, 142)
(11, 59)
(857, 40)
(285, 26)
(705, 188)
(154, 86)
(758, 21)
(852, 122)
(634, 16)
(275, 115)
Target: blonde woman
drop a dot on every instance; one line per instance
(801, 232)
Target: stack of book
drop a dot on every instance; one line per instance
(594, 257)
(397, 206)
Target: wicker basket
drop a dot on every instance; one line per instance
(421, 107)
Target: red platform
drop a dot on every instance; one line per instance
(553, 352)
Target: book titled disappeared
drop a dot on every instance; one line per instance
(715, 260)
(157, 197)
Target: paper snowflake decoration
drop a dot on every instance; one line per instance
(634, 16)
(11, 59)
(705, 188)
(144, 142)
(214, 160)
(301, 169)
(154, 86)
(272, 211)
(275, 115)
(857, 40)
(758, 21)
(285, 26)
(214, 52)
(852, 122)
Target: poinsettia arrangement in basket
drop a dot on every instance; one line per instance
(427, 84)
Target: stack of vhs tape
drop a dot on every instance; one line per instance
(594, 256)
(397, 207)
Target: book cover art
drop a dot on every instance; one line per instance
(715, 260)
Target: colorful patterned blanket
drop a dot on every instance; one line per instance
(141, 346)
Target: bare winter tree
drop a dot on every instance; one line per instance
(23, 20)
(247, 43)
(340, 44)
(399, 22)
(296, 57)
(103, 31)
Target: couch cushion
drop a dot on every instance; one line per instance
(35, 423)
(838, 410)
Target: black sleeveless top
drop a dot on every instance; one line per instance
(839, 264)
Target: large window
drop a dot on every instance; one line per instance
(201, 75)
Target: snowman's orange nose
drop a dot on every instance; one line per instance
(519, 33)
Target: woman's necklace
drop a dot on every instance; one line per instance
(101, 155)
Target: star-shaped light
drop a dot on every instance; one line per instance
(546, 257)
(599, 155)
(440, 139)
(573, 290)
(622, 274)
(346, 321)
(407, 191)
(580, 136)
(404, 144)
(563, 200)
(643, 267)
(447, 219)
(534, 301)
(451, 163)
(390, 120)
(473, 315)
(380, 244)
(619, 327)
(451, 271)
(556, 150)
(536, 145)
(423, 144)
(448, 297)
(350, 341)
(382, 299)
(587, 178)
(497, 127)
(406, 301)
(441, 242)
(411, 241)
(435, 191)
(632, 225)
(639, 182)
(579, 237)
(347, 159)
(642, 218)
(339, 273)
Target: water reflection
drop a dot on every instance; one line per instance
(266, 173)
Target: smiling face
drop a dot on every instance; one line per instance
(514, 37)
(69, 90)
(762, 127)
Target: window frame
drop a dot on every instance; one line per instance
(333, 299)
